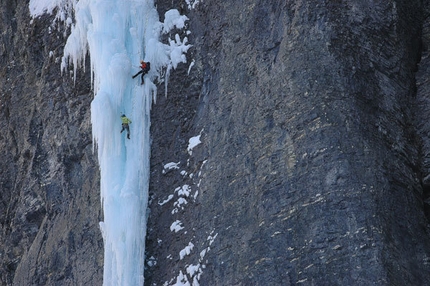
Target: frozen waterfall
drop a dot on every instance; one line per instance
(118, 34)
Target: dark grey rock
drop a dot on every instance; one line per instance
(313, 167)
(309, 171)
(49, 179)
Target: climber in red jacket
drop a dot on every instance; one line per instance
(145, 67)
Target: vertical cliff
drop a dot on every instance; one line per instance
(309, 170)
(313, 165)
(49, 180)
(422, 107)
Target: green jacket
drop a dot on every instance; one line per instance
(125, 120)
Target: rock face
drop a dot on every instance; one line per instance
(313, 166)
(49, 179)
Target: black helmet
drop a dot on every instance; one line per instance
(123, 115)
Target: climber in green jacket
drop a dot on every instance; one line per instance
(125, 123)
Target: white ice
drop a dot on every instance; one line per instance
(193, 142)
(170, 166)
(38, 7)
(186, 251)
(176, 226)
